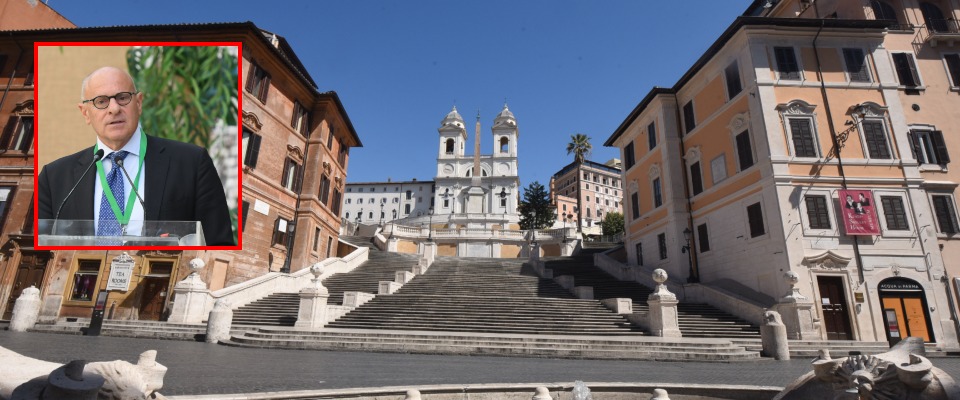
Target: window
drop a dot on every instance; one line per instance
(732, 75)
(704, 237)
(330, 137)
(894, 213)
(953, 68)
(882, 10)
(657, 196)
(449, 146)
(744, 150)
(755, 217)
(280, 231)
(18, 134)
(246, 207)
(787, 66)
(588, 198)
(85, 280)
(662, 245)
(325, 190)
(876, 139)
(855, 63)
(504, 145)
(696, 180)
(689, 120)
(301, 119)
(329, 245)
(944, 210)
(316, 239)
(804, 144)
(639, 249)
(409, 195)
(817, 214)
(928, 147)
(628, 156)
(406, 209)
(652, 135)
(258, 82)
(906, 69)
(371, 200)
(588, 212)
(251, 148)
(342, 155)
(934, 18)
(6, 197)
(336, 201)
(503, 202)
(291, 175)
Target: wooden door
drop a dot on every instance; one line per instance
(153, 295)
(833, 303)
(916, 315)
(907, 315)
(29, 273)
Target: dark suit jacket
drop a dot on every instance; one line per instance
(181, 185)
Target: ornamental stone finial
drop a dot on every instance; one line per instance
(196, 265)
(316, 270)
(659, 276)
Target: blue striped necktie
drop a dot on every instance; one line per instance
(108, 224)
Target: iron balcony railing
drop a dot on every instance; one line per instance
(943, 26)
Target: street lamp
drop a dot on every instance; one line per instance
(381, 213)
(503, 197)
(393, 222)
(534, 227)
(564, 227)
(430, 226)
(686, 249)
(359, 218)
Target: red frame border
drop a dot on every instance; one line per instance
(36, 141)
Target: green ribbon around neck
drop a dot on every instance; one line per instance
(123, 218)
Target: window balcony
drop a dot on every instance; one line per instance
(941, 30)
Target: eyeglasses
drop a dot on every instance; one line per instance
(102, 102)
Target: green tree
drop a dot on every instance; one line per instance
(535, 209)
(190, 93)
(612, 223)
(580, 147)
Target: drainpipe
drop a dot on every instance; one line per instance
(836, 143)
(694, 273)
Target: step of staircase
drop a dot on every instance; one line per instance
(138, 329)
(811, 348)
(580, 347)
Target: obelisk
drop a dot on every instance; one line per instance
(475, 193)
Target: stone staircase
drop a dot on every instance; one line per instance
(483, 295)
(280, 309)
(468, 343)
(138, 329)
(696, 319)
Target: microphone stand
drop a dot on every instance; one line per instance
(96, 157)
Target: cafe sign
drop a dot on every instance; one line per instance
(121, 270)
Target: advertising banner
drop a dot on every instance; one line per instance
(858, 212)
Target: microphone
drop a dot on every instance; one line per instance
(124, 171)
(96, 157)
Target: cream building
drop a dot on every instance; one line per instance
(742, 162)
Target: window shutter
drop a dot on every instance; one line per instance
(251, 78)
(802, 138)
(254, 150)
(915, 147)
(953, 67)
(876, 140)
(8, 132)
(296, 114)
(940, 146)
(696, 179)
(744, 150)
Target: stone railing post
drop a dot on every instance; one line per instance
(219, 322)
(313, 302)
(190, 296)
(773, 337)
(428, 256)
(797, 311)
(662, 317)
(26, 310)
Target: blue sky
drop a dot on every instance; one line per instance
(564, 67)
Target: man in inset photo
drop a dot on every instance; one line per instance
(137, 176)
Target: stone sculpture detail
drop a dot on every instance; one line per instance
(901, 373)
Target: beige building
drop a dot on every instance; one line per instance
(598, 188)
(743, 160)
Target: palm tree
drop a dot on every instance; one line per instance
(580, 147)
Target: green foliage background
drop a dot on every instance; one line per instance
(536, 198)
(612, 223)
(188, 91)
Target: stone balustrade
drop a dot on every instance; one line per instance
(419, 234)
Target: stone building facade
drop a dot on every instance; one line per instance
(744, 159)
(376, 202)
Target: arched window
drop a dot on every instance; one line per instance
(933, 17)
(504, 144)
(449, 146)
(882, 10)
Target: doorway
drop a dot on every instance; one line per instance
(833, 303)
(153, 291)
(904, 310)
(30, 272)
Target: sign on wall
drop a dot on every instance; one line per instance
(121, 270)
(859, 213)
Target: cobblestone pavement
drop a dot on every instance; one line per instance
(200, 368)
